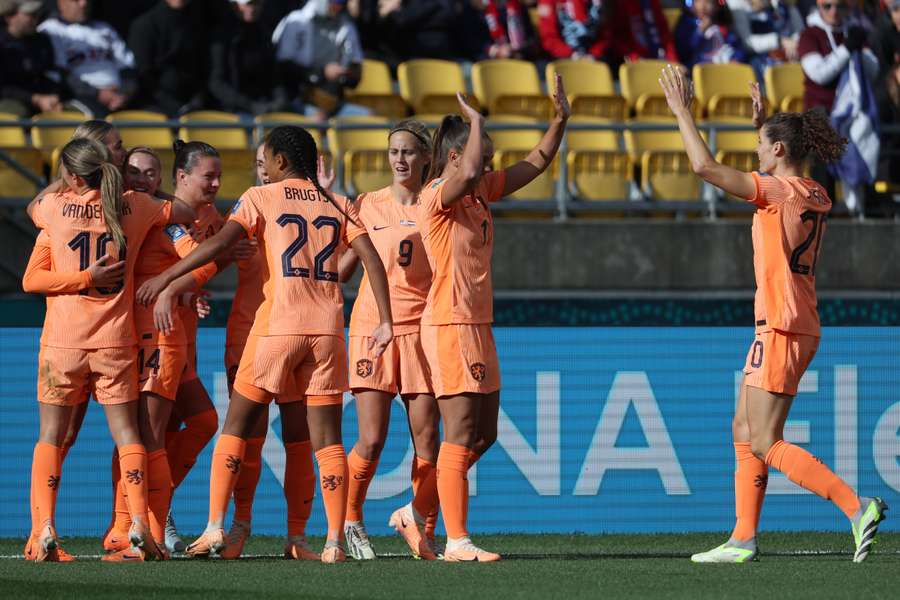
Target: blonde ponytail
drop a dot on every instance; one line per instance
(111, 190)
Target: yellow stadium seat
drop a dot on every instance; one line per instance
(737, 141)
(510, 87)
(238, 173)
(654, 107)
(638, 142)
(639, 78)
(543, 187)
(367, 170)
(591, 139)
(342, 140)
(167, 160)
(221, 138)
(269, 121)
(12, 136)
(668, 176)
(376, 91)
(430, 86)
(589, 87)
(713, 83)
(793, 104)
(153, 137)
(515, 139)
(12, 183)
(784, 83)
(48, 137)
(599, 175)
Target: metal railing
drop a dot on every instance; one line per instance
(564, 202)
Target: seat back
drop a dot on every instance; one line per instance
(493, 79)
(12, 136)
(152, 137)
(47, 137)
(222, 137)
(430, 85)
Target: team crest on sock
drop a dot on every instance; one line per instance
(53, 482)
(761, 481)
(331, 482)
(233, 463)
(134, 476)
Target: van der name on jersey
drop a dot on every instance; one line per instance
(88, 211)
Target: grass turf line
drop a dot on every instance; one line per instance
(537, 566)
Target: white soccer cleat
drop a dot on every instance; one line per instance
(358, 543)
(173, 542)
(726, 554)
(465, 551)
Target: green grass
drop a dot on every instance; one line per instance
(535, 566)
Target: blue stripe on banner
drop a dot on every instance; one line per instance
(601, 430)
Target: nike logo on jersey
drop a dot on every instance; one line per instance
(377, 228)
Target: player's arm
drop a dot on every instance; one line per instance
(679, 95)
(384, 333)
(466, 177)
(40, 278)
(53, 188)
(206, 252)
(524, 172)
(347, 265)
(181, 292)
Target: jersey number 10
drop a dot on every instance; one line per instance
(81, 243)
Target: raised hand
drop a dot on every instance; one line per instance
(560, 100)
(759, 107)
(324, 174)
(466, 109)
(103, 275)
(678, 90)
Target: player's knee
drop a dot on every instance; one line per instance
(369, 445)
(759, 446)
(204, 424)
(484, 441)
(740, 430)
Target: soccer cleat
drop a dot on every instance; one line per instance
(129, 554)
(333, 553)
(234, 542)
(297, 549)
(115, 540)
(45, 545)
(63, 555)
(140, 538)
(211, 542)
(466, 551)
(726, 553)
(403, 522)
(358, 542)
(173, 542)
(865, 527)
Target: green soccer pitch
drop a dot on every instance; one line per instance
(791, 565)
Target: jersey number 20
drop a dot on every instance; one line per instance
(320, 274)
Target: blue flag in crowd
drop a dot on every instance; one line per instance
(855, 116)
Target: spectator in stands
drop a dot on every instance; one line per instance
(887, 38)
(98, 65)
(398, 30)
(575, 28)
(825, 49)
(273, 11)
(171, 46)
(26, 62)
(511, 34)
(244, 77)
(318, 48)
(769, 30)
(704, 35)
(642, 31)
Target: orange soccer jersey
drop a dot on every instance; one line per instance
(302, 235)
(207, 224)
(459, 241)
(247, 298)
(96, 317)
(394, 232)
(787, 233)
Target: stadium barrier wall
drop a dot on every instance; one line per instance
(600, 430)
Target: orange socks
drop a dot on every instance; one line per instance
(189, 442)
(361, 472)
(133, 463)
(159, 492)
(299, 485)
(228, 456)
(809, 472)
(453, 488)
(333, 482)
(750, 480)
(245, 489)
(425, 493)
(46, 470)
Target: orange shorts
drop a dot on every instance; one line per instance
(67, 376)
(161, 368)
(462, 358)
(402, 368)
(293, 367)
(190, 367)
(232, 360)
(777, 360)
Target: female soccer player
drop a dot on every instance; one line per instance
(390, 216)
(88, 339)
(296, 347)
(457, 229)
(787, 233)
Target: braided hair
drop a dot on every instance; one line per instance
(298, 147)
